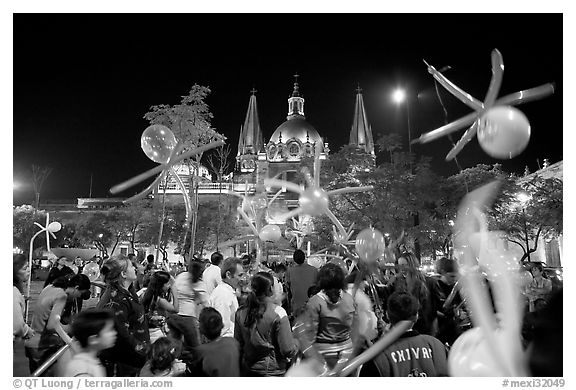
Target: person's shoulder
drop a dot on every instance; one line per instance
(81, 365)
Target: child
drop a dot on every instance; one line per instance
(219, 356)
(162, 360)
(94, 331)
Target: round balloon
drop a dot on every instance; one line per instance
(270, 233)
(503, 132)
(158, 142)
(92, 271)
(54, 227)
(370, 245)
(313, 201)
(470, 356)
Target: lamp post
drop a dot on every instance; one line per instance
(399, 96)
(50, 229)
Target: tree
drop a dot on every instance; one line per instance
(93, 230)
(219, 163)
(190, 123)
(390, 143)
(533, 210)
(39, 175)
(23, 227)
(173, 229)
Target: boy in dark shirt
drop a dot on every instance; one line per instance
(219, 356)
(413, 354)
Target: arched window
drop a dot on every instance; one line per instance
(294, 149)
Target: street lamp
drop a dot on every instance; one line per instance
(50, 229)
(399, 96)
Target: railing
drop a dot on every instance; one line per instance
(70, 344)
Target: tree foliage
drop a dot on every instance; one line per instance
(190, 123)
(533, 210)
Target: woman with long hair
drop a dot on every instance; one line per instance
(409, 279)
(128, 355)
(332, 316)
(263, 331)
(158, 301)
(20, 275)
(191, 298)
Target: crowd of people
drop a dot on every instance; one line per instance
(242, 317)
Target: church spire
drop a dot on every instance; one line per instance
(251, 135)
(295, 102)
(361, 132)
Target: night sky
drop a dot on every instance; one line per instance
(83, 82)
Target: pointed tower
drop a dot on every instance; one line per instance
(361, 132)
(250, 142)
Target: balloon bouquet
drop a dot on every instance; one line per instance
(503, 131)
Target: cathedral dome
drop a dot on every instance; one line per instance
(296, 128)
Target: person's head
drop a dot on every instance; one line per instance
(159, 282)
(537, 270)
(210, 323)
(299, 256)
(195, 269)
(312, 290)
(232, 271)
(331, 281)
(63, 279)
(246, 260)
(161, 355)
(79, 286)
(402, 307)
(94, 329)
(149, 261)
(63, 261)
(21, 271)
(262, 288)
(216, 258)
(261, 284)
(448, 269)
(407, 260)
(118, 271)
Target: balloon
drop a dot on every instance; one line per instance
(270, 233)
(54, 227)
(313, 201)
(370, 245)
(316, 261)
(92, 271)
(504, 132)
(158, 142)
(470, 356)
(508, 135)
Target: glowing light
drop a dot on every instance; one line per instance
(398, 96)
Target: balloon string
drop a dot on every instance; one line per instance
(247, 220)
(146, 191)
(184, 194)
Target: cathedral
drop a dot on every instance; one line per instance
(292, 141)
